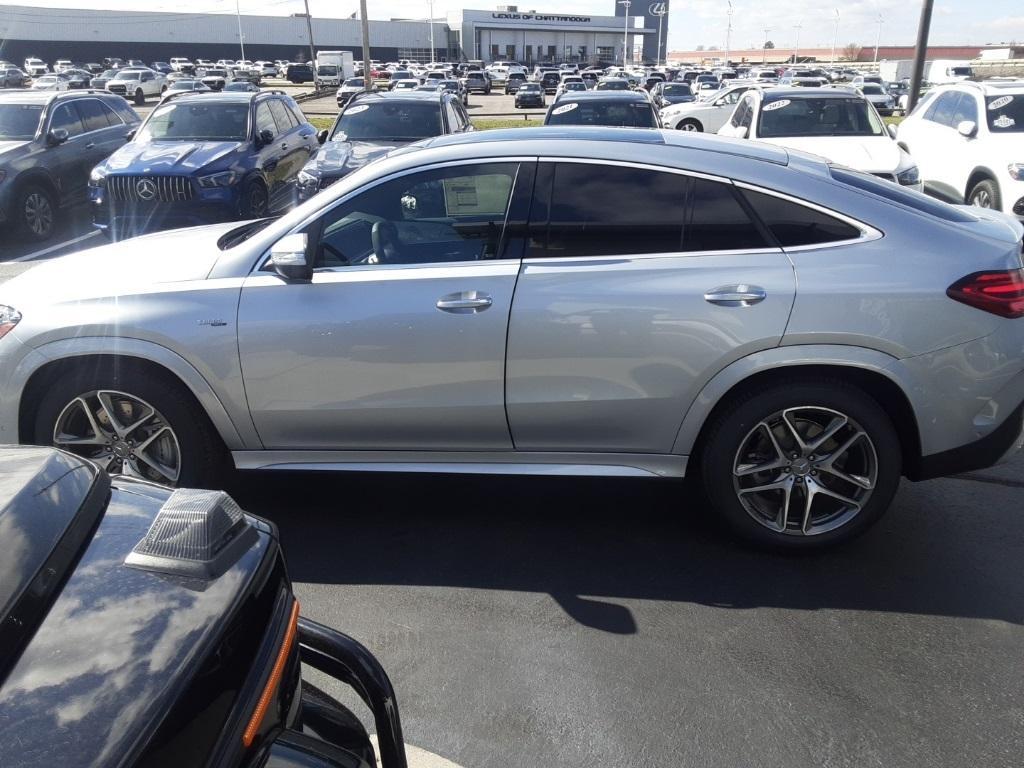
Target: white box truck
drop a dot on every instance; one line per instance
(333, 68)
(894, 70)
(943, 71)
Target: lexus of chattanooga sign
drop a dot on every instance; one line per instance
(541, 17)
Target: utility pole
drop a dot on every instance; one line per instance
(625, 32)
(238, 15)
(878, 37)
(660, 13)
(796, 48)
(919, 54)
(764, 48)
(835, 38)
(367, 75)
(309, 30)
(431, 31)
(728, 33)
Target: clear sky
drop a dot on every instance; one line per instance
(692, 22)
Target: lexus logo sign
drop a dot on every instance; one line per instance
(145, 189)
(657, 9)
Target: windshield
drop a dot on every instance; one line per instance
(677, 89)
(354, 82)
(183, 85)
(1005, 113)
(328, 70)
(612, 113)
(389, 121)
(870, 89)
(195, 121)
(18, 122)
(216, 73)
(818, 117)
(613, 85)
(961, 71)
(530, 88)
(130, 75)
(109, 74)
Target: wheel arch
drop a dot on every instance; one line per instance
(41, 177)
(867, 371)
(61, 359)
(981, 173)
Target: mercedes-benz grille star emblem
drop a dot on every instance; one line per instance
(145, 189)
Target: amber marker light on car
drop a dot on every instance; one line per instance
(274, 680)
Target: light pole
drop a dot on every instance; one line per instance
(238, 15)
(660, 12)
(625, 31)
(878, 37)
(309, 29)
(728, 33)
(796, 48)
(431, 31)
(835, 38)
(764, 48)
(367, 74)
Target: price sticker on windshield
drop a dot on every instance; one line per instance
(357, 109)
(999, 103)
(776, 105)
(564, 108)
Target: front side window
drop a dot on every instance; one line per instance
(196, 121)
(966, 109)
(265, 120)
(66, 116)
(446, 215)
(389, 121)
(942, 110)
(95, 115)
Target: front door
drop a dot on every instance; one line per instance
(398, 343)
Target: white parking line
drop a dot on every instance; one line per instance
(57, 247)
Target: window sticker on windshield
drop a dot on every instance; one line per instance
(564, 108)
(999, 103)
(776, 105)
(357, 109)
(1004, 122)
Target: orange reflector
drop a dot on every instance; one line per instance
(275, 678)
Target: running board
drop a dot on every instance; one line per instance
(469, 462)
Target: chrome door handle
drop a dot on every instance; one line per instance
(467, 302)
(735, 295)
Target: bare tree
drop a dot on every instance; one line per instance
(851, 52)
(768, 44)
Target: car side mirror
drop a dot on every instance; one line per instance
(967, 128)
(56, 137)
(266, 136)
(321, 135)
(288, 257)
(891, 129)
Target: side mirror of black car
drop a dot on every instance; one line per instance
(131, 134)
(266, 136)
(56, 136)
(321, 136)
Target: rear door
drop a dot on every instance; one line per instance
(69, 163)
(104, 130)
(623, 312)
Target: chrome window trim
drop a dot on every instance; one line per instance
(868, 233)
(552, 260)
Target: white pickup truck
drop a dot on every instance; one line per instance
(138, 84)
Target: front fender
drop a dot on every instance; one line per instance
(779, 357)
(236, 433)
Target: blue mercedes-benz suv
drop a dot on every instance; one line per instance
(202, 158)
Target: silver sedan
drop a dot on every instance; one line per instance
(795, 335)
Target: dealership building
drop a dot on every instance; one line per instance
(504, 33)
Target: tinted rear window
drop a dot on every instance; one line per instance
(793, 224)
(898, 194)
(613, 113)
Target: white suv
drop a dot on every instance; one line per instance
(707, 116)
(968, 141)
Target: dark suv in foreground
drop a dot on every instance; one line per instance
(202, 158)
(49, 142)
(373, 124)
(151, 627)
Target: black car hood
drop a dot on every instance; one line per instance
(339, 158)
(117, 647)
(169, 156)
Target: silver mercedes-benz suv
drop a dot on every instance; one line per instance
(797, 336)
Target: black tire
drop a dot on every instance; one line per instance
(731, 427)
(140, 98)
(203, 458)
(255, 201)
(34, 212)
(689, 124)
(985, 194)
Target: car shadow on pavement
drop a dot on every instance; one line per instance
(944, 548)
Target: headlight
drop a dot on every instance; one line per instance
(307, 179)
(1016, 171)
(9, 317)
(98, 176)
(222, 179)
(909, 176)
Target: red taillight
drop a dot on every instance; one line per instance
(1000, 292)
